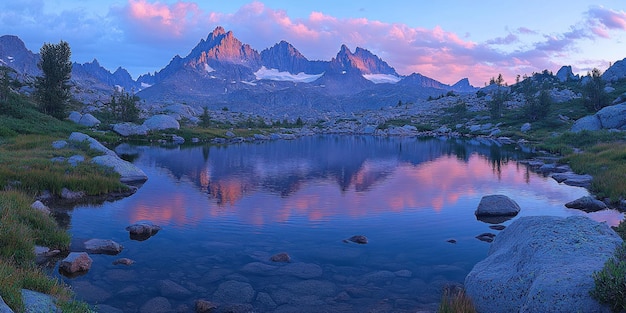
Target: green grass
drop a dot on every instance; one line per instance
(21, 227)
(26, 166)
(456, 302)
(606, 162)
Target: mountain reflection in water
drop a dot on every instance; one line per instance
(224, 209)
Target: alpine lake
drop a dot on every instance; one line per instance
(225, 210)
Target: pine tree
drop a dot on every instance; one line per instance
(53, 89)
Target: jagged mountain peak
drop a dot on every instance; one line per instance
(222, 47)
(362, 61)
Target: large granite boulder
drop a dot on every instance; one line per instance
(89, 120)
(129, 173)
(542, 264)
(4, 308)
(613, 116)
(161, 122)
(589, 122)
(75, 117)
(93, 143)
(130, 129)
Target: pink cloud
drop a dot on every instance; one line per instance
(156, 21)
(609, 18)
(435, 52)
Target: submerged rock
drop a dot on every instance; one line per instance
(280, 257)
(204, 306)
(587, 204)
(103, 246)
(123, 261)
(542, 264)
(486, 237)
(360, 239)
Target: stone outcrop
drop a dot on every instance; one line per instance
(35, 302)
(565, 74)
(616, 72)
(542, 264)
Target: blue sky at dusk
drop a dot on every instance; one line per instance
(445, 40)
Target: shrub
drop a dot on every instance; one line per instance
(610, 282)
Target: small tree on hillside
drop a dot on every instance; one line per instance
(205, 118)
(594, 96)
(123, 106)
(53, 89)
(497, 102)
(5, 82)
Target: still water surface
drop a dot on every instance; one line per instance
(225, 210)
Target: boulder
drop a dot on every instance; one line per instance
(35, 302)
(525, 128)
(74, 117)
(130, 129)
(573, 179)
(39, 206)
(59, 144)
(72, 195)
(542, 264)
(497, 205)
(161, 122)
(589, 122)
(75, 262)
(75, 160)
(89, 120)
(103, 246)
(613, 116)
(4, 308)
(587, 204)
(128, 171)
(142, 231)
(93, 144)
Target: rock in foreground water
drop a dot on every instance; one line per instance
(542, 264)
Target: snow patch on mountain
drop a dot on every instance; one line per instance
(144, 85)
(382, 78)
(248, 83)
(208, 69)
(274, 74)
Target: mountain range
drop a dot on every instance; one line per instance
(221, 71)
